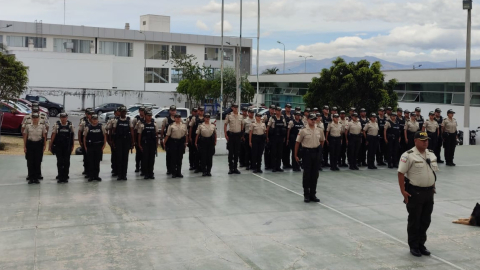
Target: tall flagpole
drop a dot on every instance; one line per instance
(221, 68)
(258, 53)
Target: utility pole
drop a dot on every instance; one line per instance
(221, 68)
(467, 4)
(239, 89)
(258, 54)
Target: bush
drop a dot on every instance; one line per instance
(3, 146)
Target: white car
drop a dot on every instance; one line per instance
(160, 114)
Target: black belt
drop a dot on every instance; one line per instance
(428, 132)
(336, 137)
(258, 136)
(355, 135)
(309, 150)
(235, 133)
(176, 140)
(41, 140)
(422, 188)
(372, 135)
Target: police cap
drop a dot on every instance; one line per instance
(194, 109)
(438, 110)
(318, 114)
(288, 106)
(207, 115)
(307, 110)
(353, 109)
(418, 109)
(373, 115)
(381, 109)
(450, 111)
(431, 113)
(272, 106)
(251, 110)
(315, 109)
(334, 109)
(278, 109)
(363, 110)
(35, 104)
(35, 108)
(141, 109)
(35, 115)
(148, 113)
(94, 116)
(122, 108)
(234, 105)
(173, 108)
(326, 107)
(389, 108)
(298, 108)
(258, 115)
(421, 135)
(336, 115)
(63, 115)
(244, 109)
(298, 113)
(355, 115)
(201, 109)
(177, 115)
(312, 117)
(406, 111)
(399, 109)
(342, 112)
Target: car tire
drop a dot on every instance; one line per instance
(53, 112)
(99, 112)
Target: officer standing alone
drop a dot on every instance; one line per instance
(94, 139)
(206, 140)
(62, 144)
(34, 143)
(123, 142)
(177, 135)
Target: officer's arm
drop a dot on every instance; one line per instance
(52, 139)
(250, 136)
(139, 138)
(104, 138)
(85, 142)
(424, 127)
(24, 142)
(80, 135)
(365, 134)
(225, 129)
(156, 139)
(215, 133)
(297, 144)
(196, 139)
(385, 134)
(405, 134)
(288, 134)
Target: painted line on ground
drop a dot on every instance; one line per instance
(360, 222)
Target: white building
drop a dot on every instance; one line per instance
(109, 63)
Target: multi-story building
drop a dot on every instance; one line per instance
(114, 65)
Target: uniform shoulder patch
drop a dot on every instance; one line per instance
(410, 151)
(430, 150)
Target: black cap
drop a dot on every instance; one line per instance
(298, 108)
(35, 115)
(148, 113)
(258, 115)
(207, 115)
(393, 115)
(399, 109)
(336, 115)
(244, 109)
(288, 105)
(421, 135)
(418, 109)
(389, 108)
(431, 113)
(201, 109)
(194, 109)
(334, 109)
(318, 115)
(450, 111)
(262, 104)
(89, 112)
(438, 110)
(406, 111)
(173, 108)
(278, 109)
(355, 115)
(177, 115)
(35, 104)
(307, 110)
(122, 108)
(325, 107)
(353, 109)
(35, 108)
(413, 115)
(298, 113)
(381, 109)
(373, 115)
(342, 112)
(312, 117)
(94, 116)
(141, 109)
(363, 110)
(315, 109)
(62, 115)
(272, 106)
(251, 110)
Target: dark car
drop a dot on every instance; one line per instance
(107, 107)
(12, 118)
(53, 108)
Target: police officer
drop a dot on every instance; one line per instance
(206, 140)
(382, 149)
(111, 143)
(419, 118)
(266, 119)
(392, 137)
(81, 128)
(286, 150)
(177, 135)
(137, 120)
(148, 143)
(320, 125)
(419, 165)
(353, 134)
(294, 127)
(351, 112)
(432, 128)
(34, 143)
(362, 156)
(306, 115)
(388, 112)
(247, 122)
(165, 123)
(334, 138)
(234, 122)
(310, 138)
(411, 128)
(27, 120)
(406, 115)
(243, 142)
(61, 144)
(192, 150)
(94, 139)
(438, 150)
(315, 110)
(342, 158)
(123, 141)
(276, 134)
(450, 136)
(370, 133)
(193, 126)
(401, 122)
(326, 119)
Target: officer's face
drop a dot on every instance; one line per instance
(311, 122)
(235, 109)
(89, 116)
(325, 111)
(380, 112)
(178, 120)
(417, 112)
(354, 118)
(35, 120)
(200, 113)
(335, 119)
(288, 109)
(399, 114)
(63, 120)
(297, 117)
(421, 145)
(373, 119)
(95, 121)
(431, 116)
(258, 118)
(394, 117)
(437, 114)
(123, 114)
(342, 116)
(207, 120)
(278, 112)
(194, 113)
(142, 114)
(450, 115)
(250, 114)
(148, 118)
(173, 112)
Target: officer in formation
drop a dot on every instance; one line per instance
(177, 136)
(432, 128)
(276, 134)
(195, 122)
(234, 123)
(139, 119)
(362, 157)
(147, 141)
(419, 118)
(61, 145)
(294, 127)
(111, 143)
(310, 138)
(320, 125)
(247, 122)
(392, 137)
(370, 133)
(382, 147)
(205, 142)
(450, 136)
(438, 150)
(123, 142)
(257, 140)
(411, 127)
(34, 142)
(401, 121)
(416, 177)
(192, 150)
(266, 119)
(287, 114)
(167, 122)
(94, 140)
(326, 119)
(43, 120)
(353, 136)
(86, 120)
(243, 142)
(334, 138)
(342, 160)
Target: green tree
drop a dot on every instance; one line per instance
(272, 70)
(359, 85)
(230, 87)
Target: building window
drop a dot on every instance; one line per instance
(156, 75)
(75, 45)
(177, 75)
(15, 41)
(227, 54)
(144, 22)
(123, 49)
(1, 39)
(156, 51)
(211, 54)
(179, 51)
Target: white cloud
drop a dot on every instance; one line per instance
(201, 25)
(227, 27)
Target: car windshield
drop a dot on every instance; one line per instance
(132, 109)
(19, 106)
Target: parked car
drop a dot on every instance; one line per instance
(53, 108)
(160, 114)
(12, 118)
(107, 107)
(29, 105)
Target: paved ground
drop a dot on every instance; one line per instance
(244, 221)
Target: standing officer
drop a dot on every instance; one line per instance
(192, 150)
(276, 134)
(370, 133)
(310, 138)
(294, 127)
(286, 150)
(123, 142)
(34, 142)
(266, 119)
(306, 115)
(362, 156)
(247, 122)
(342, 158)
(177, 135)
(94, 139)
(111, 143)
(392, 136)
(353, 134)
(351, 112)
(320, 125)
(419, 165)
(61, 144)
(334, 140)
(406, 116)
(140, 118)
(243, 142)
(148, 143)
(450, 136)
(257, 143)
(27, 120)
(165, 123)
(401, 122)
(382, 149)
(206, 140)
(315, 110)
(419, 118)
(234, 121)
(81, 128)
(388, 112)
(326, 119)
(438, 150)
(411, 128)
(193, 126)
(432, 128)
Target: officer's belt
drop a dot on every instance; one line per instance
(355, 135)
(235, 133)
(421, 188)
(429, 133)
(176, 140)
(310, 150)
(39, 141)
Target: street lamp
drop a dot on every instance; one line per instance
(283, 55)
(145, 60)
(305, 61)
(467, 4)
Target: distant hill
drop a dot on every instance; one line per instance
(314, 66)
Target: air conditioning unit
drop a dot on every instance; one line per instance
(68, 45)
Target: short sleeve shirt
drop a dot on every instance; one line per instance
(141, 127)
(450, 126)
(354, 127)
(165, 122)
(310, 138)
(56, 127)
(335, 130)
(206, 130)
(416, 168)
(177, 131)
(431, 126)
(371, 128)
(234, 121)
(271, 122)
(412, 126)
(247, 122)
(35, 132)
(194, 119)
(258, 128)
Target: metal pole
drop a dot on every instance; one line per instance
(239, 91)
(305, 64)
(145, 60)
(258, 54)
(64, 9)
(283, 58)
(221, 69)
(466, 106)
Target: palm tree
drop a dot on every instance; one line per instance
(272, 70)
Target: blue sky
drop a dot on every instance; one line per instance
(401, 31)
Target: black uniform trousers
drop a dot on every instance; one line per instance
(420, 208)
(354, 143)
(403, 145)
(63, 153)
(34, 159)
(247, 151)
(148, 157)
(242, 155)
(113, 159)
(258, 145)
(450, 144)
(372, 149)
(207, 150)
(382, 148)
(168, 156)
(326, 150)
(343, 151)
(122, 147)
(85, 159)
(177, 149)
(310, 163)
(335, 145)
(94, 156)
(268, 155)
(411, 139)
(393, 147)
(234, 149)
(192, 154)
(438, 149)
(291, 144)
(286, 154)
(138, 155)
(276, 143)
(432, 143)
(362, 153)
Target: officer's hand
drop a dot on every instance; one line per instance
(346, 141)
(44, 148)
(399, 140)
(141, 148)
(406, 140)
(50, 149)
(103, 147)
(386, 141)
(71, 150)
(196, 146)
(406, 195)
(268, 140)
(25, 149)
(366, 143)
(286, 143)
(297, 159)
(251, 145)
(327, 142)
(226, 137)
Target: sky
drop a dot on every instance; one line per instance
(402, 31)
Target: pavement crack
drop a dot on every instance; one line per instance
(36, 231)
